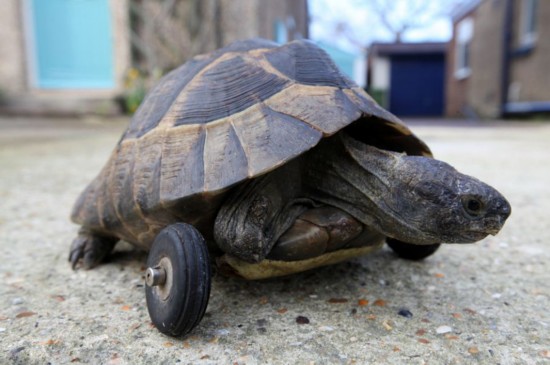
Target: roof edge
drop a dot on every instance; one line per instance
(388, 49)
(464, 9)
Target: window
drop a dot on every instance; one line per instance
(464, 33)
(528, 22)
(71, 44)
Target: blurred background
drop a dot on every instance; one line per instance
(418, 58)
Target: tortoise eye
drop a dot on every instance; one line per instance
(473, 206)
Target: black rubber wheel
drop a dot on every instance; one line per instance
(177, 305)
(410, 251)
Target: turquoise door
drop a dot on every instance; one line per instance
(72, 44)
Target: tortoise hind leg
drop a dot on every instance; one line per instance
(90, 249)
(253, 216)
(315, 232)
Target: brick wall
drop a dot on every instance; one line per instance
(530, 70)
(291, 12)
(479, 92)
(483, 91)
(455, 89)
(529, 76)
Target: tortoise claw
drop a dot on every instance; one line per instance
(88, 250)
(74, 257)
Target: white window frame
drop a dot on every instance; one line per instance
(528, 22)
(463, 41)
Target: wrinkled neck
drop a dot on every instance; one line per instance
(347, 173)
(357, 178)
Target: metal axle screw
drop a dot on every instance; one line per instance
(155, 276)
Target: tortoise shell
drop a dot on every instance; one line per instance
(219, 120)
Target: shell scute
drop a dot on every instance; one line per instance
(225, 88)
(325, 108)
(219, 120)
(309, 65)
(224, 149)
(269, 137)
(182, 164)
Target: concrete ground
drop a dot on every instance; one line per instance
(486, 303)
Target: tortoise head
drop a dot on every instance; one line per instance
(446, 204)
(413, 199)
(428, 201)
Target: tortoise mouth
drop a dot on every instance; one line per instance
(493, 225)
(478, 235)
(475, 235)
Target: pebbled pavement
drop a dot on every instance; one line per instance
(472, 304)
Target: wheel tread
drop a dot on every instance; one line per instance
(184, 243)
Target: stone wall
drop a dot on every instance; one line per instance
(455, 88)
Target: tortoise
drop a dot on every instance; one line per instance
(270, 160)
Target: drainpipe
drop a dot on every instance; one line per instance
(506, 53)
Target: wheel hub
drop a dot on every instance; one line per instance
(160, 278)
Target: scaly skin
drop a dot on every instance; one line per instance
(412, 199)
(89, 249)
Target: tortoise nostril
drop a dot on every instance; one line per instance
(504, 208)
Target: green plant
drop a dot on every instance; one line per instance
(380, 96)
(134, 90)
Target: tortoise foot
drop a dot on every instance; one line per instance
(89, 250)
(412, 252)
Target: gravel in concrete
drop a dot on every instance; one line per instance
(486, 303)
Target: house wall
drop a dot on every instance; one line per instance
(293, 13)
(483, 89)
(379, 83)
(530, 70)
(478, 92)
(529, 78)
(20, 95)
(239, 19)
(455, 89)
(242, 19)
(380, 75)
(12, 55)
(121, 35)
(226, 21)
